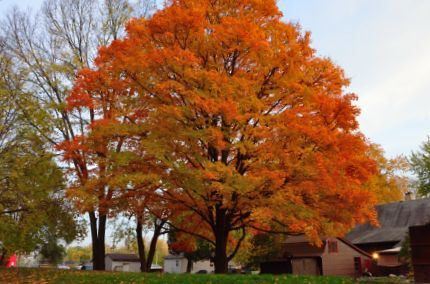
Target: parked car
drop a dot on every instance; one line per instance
(85, 267)
(11, 262)
(234, 271)
(63, 266)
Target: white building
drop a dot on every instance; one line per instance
(178, 264)
(122, 262)
(29, 260)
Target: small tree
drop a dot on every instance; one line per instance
(52, 251)
(264, 247)
(420, 165)
(390, 183)
(405, 254)
(79, 254)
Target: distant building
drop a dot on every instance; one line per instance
(178, 264)
(29, 260)
(122, 262)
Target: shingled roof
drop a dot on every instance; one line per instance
(123, 257)
(394, 220)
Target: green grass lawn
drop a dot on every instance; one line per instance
(40, 275)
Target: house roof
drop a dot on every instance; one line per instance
(123, 257)
(395, 250)
(174, 256)
(348, 243)
(304, 248)
(299, 239)
(394, 221)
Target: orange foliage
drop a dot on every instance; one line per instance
(250, 128)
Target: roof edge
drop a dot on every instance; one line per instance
(351, 245)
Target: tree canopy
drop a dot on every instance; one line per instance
(33, 210)
(47, 48)
(235, 120)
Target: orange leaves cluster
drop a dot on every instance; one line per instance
(73, 149)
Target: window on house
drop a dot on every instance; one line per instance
(177, 263)
(332, 246)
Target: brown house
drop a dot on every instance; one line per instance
(336, 256)
(385, 241)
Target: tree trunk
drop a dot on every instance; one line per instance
(221, 235)
(189, 264)
(2, 258)
(221, 262)
(141, 246)
(98, 240)
(153, 245)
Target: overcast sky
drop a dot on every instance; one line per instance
(383, 46)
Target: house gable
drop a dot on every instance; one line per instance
(344, 260)
(338, 256)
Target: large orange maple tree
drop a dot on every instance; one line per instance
(252, 129)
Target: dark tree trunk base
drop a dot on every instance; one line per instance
(141, 247)
(98, 240)
(189, 265)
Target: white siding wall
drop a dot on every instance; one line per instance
(176, 265)
(108, 264)
(126, 266)
(341, 262)
(179, 265)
